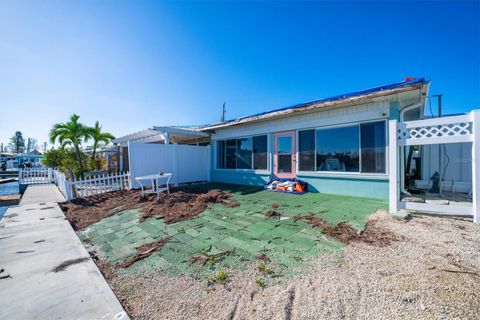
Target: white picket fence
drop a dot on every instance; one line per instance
(78, 188)
(35, 175)
(101, 184)
(63, 184)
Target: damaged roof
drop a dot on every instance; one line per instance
(406, 85)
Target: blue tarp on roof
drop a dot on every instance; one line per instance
(339, 97)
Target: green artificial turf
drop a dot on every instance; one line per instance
(238, 233)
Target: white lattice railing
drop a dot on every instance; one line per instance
(454, 129)
(435, 131)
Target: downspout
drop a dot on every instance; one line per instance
(402, 119)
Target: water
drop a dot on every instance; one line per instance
(6, 189)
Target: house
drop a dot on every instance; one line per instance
(362, 144)
(337, 145)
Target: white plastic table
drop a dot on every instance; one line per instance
(155, 180)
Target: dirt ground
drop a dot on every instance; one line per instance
(177, 206)
(430, 271)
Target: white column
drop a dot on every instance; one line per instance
(476, 166)
(175, 164)
(131, 163)
(393, 167)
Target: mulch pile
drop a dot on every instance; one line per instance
(144, 251)
(181, 205)
(177, 206)
(343, 232)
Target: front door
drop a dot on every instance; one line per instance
(284, 162)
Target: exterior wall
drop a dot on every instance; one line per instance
(459, 161)
(369, 188)
(186, 163)
(362, 185)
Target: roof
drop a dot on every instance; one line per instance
(408, 84)
(161, 134)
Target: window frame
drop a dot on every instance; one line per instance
(359, 174)
(236, 170)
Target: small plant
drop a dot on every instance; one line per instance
(264, 269)
(297, 258)
(181, 230)
(260, 282)
(220, 277)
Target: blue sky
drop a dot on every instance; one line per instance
(132, 65)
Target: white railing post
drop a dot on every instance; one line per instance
(393, 188)
(68, 190)
(476, 165)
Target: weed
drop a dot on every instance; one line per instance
(297, 258)
(220, 277)
(260, 282)
(181, 230)
(264, 269)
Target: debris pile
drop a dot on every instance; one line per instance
(177, 206)
(343, 232)
(144, 251)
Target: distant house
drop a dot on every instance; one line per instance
(34, 158)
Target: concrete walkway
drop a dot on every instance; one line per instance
(35, 239)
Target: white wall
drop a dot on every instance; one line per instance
(186, 163)
(459, 167)
(354, 113)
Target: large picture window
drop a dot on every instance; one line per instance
(244, 153)
(357, 148)
(337, 149)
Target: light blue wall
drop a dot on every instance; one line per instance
(376, 188)
(369, 188)
(395, 110)
(247, 178)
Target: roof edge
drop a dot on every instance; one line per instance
(356, 96)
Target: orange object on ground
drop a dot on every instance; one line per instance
(299, 187)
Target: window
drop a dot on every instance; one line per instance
(221, 154)
(358, 148)
(373, 147)
(260, 155)
(231, 154)
(244, 153)
(306, 150)
(337, 149)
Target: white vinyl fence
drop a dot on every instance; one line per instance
(187, 163)
(35, 175)
(463, 129)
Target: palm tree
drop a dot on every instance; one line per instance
(71, 133)
(99, 136)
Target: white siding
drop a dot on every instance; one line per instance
(338, 116)
(459, 167)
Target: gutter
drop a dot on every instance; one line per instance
(419, 104)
